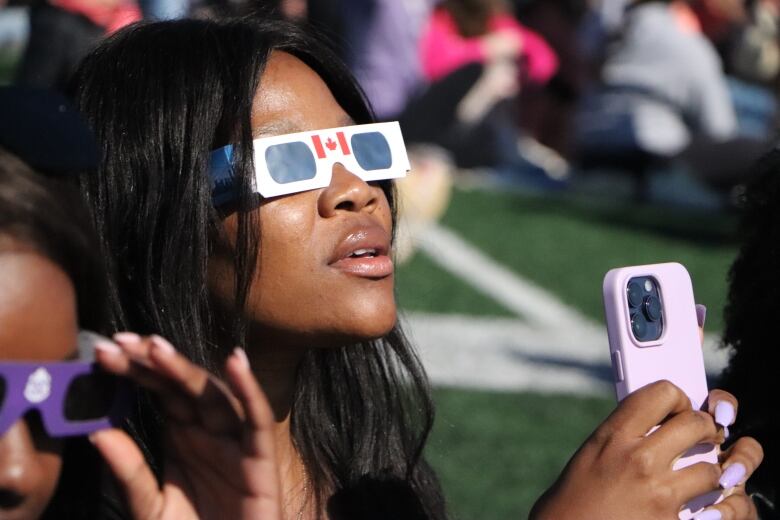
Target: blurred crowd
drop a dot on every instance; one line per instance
(535, 93)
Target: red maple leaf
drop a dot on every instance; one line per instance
(331, 144)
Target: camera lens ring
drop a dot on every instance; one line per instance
(652, 308)
(639, 326)
(634, 292)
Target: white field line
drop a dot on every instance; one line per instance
(517, 294)
(555, 349)
(510, 355)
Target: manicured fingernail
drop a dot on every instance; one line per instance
(726, 433)
(732, 476)
(163, 344)
(710, 514)
(724, 413)
(241, 355)
(701, 314)
(127, 337)
(107, 347)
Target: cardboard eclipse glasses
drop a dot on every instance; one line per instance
(72, 397)
(292, 163)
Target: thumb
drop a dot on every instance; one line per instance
(701, 317)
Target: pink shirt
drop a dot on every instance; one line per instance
(112, 18)
(443, 50)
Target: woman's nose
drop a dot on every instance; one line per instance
(348, 192)
(20, 472)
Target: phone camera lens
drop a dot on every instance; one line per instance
(635, 293)
(639, 326)
(653, 308)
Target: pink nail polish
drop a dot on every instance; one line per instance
(163, 344)
(724, 413)
(107, 347)
(732, 476)
(241, 355)
(127, 337)
(701, 314)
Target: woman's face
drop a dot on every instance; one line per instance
(310, 290)
(37, 323)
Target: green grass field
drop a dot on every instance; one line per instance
(496, 452)
(567, 245)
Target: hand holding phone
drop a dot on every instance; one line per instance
(653, 336)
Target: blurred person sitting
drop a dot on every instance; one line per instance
(663, 95)
(64, 31)
(750, 330)
(476, 55)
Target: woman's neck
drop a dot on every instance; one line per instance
(276, 369)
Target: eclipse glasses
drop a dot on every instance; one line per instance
(293, 163)
(72, 397)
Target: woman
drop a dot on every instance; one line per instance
(52, 283)
(48, 277)
(304, 280)
(749, 326)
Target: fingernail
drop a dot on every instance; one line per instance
(241, 355)
(127, 337)
(710, 514)
(107, 347)
(724, 413)
(726, 433)
(732, 476)
(701, 314)
(163, 344)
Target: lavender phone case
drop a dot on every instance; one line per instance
(676, 356)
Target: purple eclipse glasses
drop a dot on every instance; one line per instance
(72, 397)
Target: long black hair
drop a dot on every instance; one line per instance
(45, 216)
(751, 323)
(160, 96)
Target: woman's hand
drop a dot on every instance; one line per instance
(622, 472)
(219, 451)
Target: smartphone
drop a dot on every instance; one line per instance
(654, 335)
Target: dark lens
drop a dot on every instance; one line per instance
(290, 162)
(372, 151)
(635, 293)
(90, 396)
(639, 326)
(653, 308)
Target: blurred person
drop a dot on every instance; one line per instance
(476, 57)
(164, 9)
(482, 31)
(663, 96)
(51, 279)
(62, 32)
(753, 282)
(381, 41)
(304, 281)
(50, 283)
(54, 284)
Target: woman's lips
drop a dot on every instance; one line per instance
(369, 267)
(364, 252)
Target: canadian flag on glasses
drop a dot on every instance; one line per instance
(330, 145)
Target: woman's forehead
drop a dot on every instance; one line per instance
(292, 97)
(38, 318)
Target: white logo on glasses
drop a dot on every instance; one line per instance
(38, 386)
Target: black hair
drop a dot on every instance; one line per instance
(45, 216)
(751, 322)
(160, 96)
